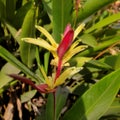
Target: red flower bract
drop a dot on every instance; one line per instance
(42, 88)
(63, 47)
(66, 41)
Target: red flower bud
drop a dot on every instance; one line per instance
(66, 41)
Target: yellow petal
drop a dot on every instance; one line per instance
(47, 34)
(71, 52)
(67, 73)
(40, 42)
(78, 30)
(48, 80)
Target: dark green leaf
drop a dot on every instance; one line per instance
(10, 9)
(61, 16)
(113, 61)
(2, 10)
(50, 107)
(20, 14)
(61, 96)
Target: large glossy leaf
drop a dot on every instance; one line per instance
(61, 10)
(13, 60)
(96, 101)
(27, 51)
(91, 6)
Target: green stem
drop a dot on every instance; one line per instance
(54, 96)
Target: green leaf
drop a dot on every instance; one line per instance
(61, 17)
(114, 108)
(20, 14)
(106, 21)
(7, 69)
(27, 96)
(46, 61)
(113, 61)
(80, 61)
(10, 58)
(61, 96)
(10, 9)
(27, 51)
(98, 64)
(96, 100)
(49, 115)
(90, 7)
(89, 40)
(48, 7)
(100, 46)
(13, 32)
(2, 10)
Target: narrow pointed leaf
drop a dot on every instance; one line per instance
(10, 58)
(100, 46)
(104, 22)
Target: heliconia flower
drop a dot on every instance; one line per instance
(62, 53)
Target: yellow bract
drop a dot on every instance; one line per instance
(52, 46)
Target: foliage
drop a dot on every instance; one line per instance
(79, 79)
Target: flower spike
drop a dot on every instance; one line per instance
(66, 42)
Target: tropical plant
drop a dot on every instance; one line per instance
(68, 51)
